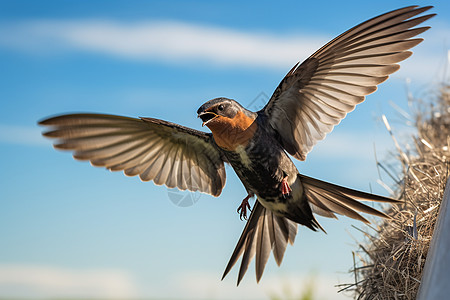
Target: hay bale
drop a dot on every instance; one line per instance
(391, 261)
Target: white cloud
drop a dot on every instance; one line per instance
(167, 40)
(41, 281)
(178, 42)
(203, 285)
(38, 281)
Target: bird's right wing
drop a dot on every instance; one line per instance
(263, 233)
(154, 149)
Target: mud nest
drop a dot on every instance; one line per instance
(389, 263)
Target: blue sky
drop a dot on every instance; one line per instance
(70, 230)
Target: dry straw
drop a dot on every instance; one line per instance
(389, 263)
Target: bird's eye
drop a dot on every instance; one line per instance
(220, 107)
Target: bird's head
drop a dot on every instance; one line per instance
(218, 110)
(230, 123)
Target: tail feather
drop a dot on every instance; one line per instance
(266, 232)
(331, 198)
(354, 194)
(263, 233)
(264, 245)
(249, 253)
(334, 203)
(279, 234)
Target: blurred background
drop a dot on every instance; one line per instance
(69, 230)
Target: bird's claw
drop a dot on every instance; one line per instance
(242, 209)
(285, 188)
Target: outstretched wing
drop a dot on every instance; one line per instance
(318, 93)
(263, 233)
(156, 150)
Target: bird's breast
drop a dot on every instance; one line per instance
(233, 134)
(262, 166)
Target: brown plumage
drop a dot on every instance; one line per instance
(156, 150)
(312, 98)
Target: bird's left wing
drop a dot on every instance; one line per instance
(318, 93)
(154, 149)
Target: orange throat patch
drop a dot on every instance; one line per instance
(232, 133)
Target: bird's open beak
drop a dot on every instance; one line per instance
(207, 116)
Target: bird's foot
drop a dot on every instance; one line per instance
(285, 188)
(242, 209)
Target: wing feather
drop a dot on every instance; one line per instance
(339, 75)
(156, 150)
(162, 171)
(172, 178)
(146, 148)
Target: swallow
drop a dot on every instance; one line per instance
(313, 97)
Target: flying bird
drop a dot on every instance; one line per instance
(312, 98)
